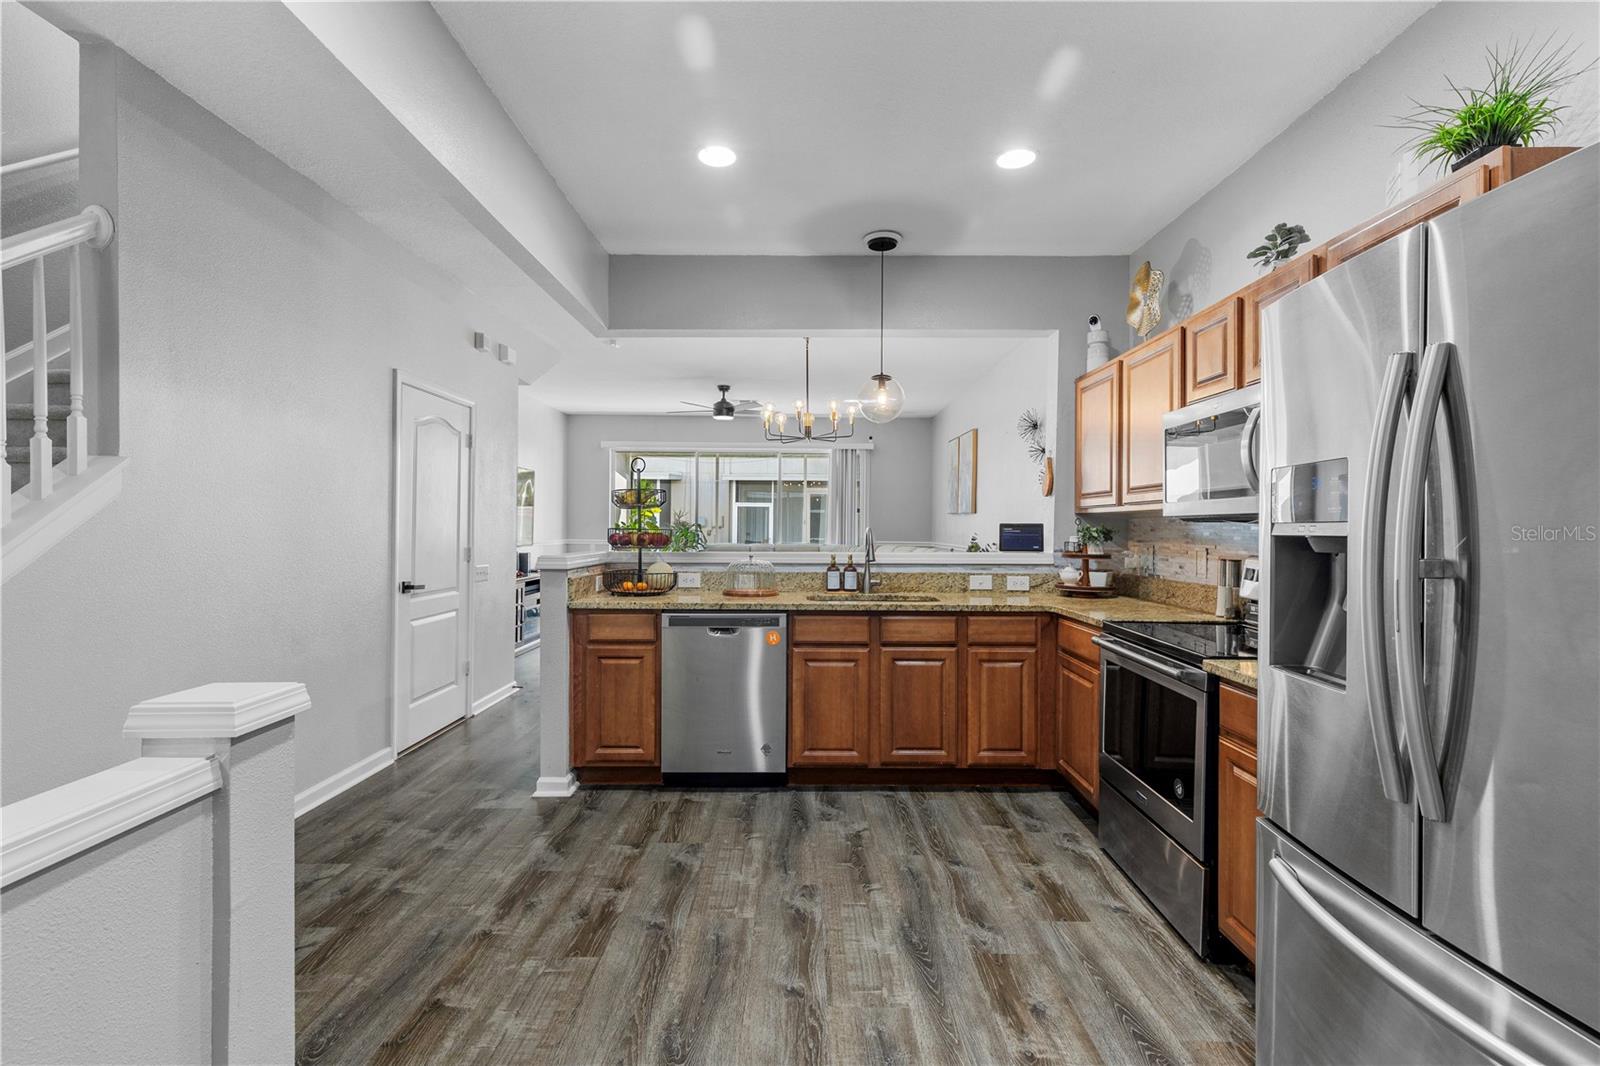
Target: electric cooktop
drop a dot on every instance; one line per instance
(1189, 642)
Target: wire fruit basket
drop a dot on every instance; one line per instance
(634, 579)
(627, 579)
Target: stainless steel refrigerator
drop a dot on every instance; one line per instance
(1429, 852)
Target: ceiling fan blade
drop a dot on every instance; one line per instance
(691, 403)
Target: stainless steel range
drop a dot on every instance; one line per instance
(1157, 732)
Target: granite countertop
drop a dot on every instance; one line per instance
(1241, 672)
(1089, 611)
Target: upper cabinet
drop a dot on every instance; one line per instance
(1098, 419)
(1263, 291)
(1152, 385)
(1211, 345)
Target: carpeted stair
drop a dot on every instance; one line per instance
(19, 429)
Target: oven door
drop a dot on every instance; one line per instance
(1154, 723)
(1212, 452)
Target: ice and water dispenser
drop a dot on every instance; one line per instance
(1309, 518)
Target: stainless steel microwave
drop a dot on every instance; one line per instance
(1212, 452)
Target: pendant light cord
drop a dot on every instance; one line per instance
(880, 314)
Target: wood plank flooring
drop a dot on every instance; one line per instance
(445, 917)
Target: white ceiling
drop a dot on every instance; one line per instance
(853, 116)
(650, 375)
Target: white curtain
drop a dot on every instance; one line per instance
(849, 488)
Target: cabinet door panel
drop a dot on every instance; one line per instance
(1264, 291)
(1211, 351)
(1152, 385)
(1078, 725)
(1236, 845)
(1099, 415)
(829, 704)
(621, 696)
(1449, 194)
(1002, 707)
(916, 707)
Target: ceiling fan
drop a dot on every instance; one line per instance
(724, 409)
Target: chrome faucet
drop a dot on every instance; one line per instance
(870, 558)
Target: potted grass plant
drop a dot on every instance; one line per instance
(1516, 107)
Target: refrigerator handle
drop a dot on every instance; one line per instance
(1374, 638)
(1491, 1045)
(1431, 379)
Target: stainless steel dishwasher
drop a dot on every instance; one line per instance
(724, 693)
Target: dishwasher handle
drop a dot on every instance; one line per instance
(722, 623)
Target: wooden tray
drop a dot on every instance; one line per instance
(750, 594)
(1087, 591)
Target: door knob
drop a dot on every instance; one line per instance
(407, 586)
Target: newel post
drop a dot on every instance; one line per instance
(249, 728)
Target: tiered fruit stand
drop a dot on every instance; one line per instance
(633, 579)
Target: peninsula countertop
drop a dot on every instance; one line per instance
(1088, 611)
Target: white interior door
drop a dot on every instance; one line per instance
(432, 501)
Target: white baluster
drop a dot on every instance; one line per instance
(5, 463)
(40, 468)
(77, 421)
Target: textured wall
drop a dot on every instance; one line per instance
(542, 448)
(107, 958)
(261, 324)
(1337, 164)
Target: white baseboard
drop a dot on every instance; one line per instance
(555, 787)
(351, 776)
(485, 702)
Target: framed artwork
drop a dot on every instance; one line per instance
(961, 455)
(524, 506)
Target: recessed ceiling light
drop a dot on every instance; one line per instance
(717, 155)
(1014, 158)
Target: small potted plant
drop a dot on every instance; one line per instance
(1091, 536)
(1515, 108)
(1279, 246)
(687, 536)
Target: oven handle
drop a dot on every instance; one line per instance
(1184, 675)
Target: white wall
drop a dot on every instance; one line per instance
(901, 475)
(38, 84)
(542, 448)
(1008, 487)
(261, 325)
(1338, 165)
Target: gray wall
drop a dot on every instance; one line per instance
(901, 472)
(1338, 165)
(986, 294)
(261, 324)
(542, 448)
(107, 957)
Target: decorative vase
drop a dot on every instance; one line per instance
(1099, 344)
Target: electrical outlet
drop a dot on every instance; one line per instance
(480, 572)
(980, 582)
(689, 579)
(598, 586)
(1017, 582)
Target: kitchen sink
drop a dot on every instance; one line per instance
(871, 597)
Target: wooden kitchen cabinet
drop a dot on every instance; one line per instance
(616, 689)
(1002, 706)
(1099, 437)
(1152, 385)
(1236, 818)
(1211, 350)
(1078, 725)
(1463, 186)
(830, 704)
(917, 707)
(1264, 291)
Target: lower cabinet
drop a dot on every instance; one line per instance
(1078, 724)
(829, 706)
(1236, 820)
(1002, 707)
(620, 706)
(917, 707)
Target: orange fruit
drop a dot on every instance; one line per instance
(627, 586)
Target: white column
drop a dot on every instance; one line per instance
(41, 461)
(556, 779)
(249, 728)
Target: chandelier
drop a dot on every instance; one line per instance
(775, 423)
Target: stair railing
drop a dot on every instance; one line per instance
(91, 227)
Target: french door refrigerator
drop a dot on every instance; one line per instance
(1429, 852)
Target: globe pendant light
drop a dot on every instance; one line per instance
(882, 398)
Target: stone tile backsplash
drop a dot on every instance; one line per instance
(1157, 546)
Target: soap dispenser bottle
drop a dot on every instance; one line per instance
(852, 576)
(832, 581)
